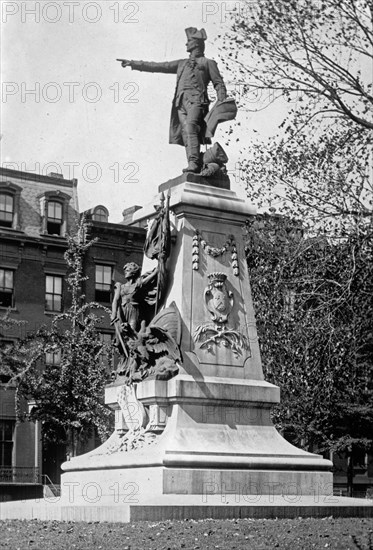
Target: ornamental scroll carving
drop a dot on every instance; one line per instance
(219, 302)
(139, 430)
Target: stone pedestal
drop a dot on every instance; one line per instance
(212, 429)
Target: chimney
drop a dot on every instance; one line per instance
(128, 214)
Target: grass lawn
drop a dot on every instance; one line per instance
(248, 534)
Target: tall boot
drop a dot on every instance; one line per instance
(193, 166)
(193, 149)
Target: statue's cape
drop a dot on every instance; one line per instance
(222, 111)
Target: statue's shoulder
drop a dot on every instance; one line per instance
(121, 287)
(207, 64)
(210, 62)
(181, 64)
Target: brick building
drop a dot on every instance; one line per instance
(36, 212)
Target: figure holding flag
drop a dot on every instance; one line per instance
(138, 299)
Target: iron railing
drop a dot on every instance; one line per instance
(54, 489)
(19, 474)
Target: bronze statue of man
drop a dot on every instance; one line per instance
(191, 103)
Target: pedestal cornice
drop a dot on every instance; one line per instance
(202, 201)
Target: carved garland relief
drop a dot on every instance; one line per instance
(214, 251)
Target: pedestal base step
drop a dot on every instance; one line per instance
(266, 507)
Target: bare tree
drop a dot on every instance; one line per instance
(318, 56)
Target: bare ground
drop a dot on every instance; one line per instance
(291, 534)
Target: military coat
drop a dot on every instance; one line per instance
(205, 71)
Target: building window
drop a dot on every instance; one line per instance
(6, 346)
(100, 214)
(53, 357)
(54, 218)
(53, 293)
(10, 194)
(54, 211)
(6, 288)
(6, 210)
(103, 283)
(6, 442)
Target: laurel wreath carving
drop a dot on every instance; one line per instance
(209, 335)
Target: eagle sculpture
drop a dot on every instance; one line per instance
(153, 351)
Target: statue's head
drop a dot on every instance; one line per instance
(131, 270)
(196, 39)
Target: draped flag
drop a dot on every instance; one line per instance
(158, 246)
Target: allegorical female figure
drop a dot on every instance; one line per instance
(131, 297)
(138, 299)
(144, 349)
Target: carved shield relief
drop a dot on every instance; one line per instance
(220, 336)
(218, 300)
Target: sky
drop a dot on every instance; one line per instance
(68, 106)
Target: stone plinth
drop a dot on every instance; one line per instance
(217, 215)
(212, 426)
(222, 181)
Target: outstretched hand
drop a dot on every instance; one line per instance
(126, 63)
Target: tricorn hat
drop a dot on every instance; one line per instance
(215, 154)
(192, 32)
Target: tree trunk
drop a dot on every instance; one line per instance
(350, 472)
(72, 442)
